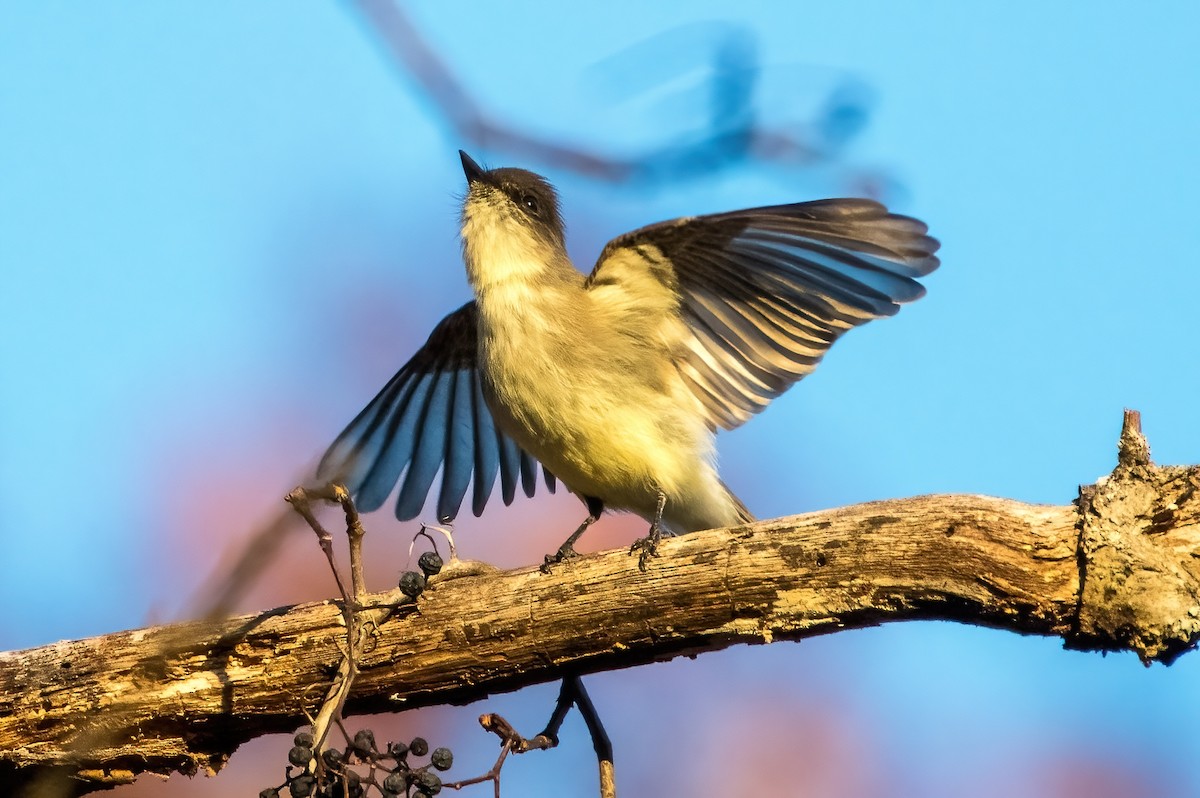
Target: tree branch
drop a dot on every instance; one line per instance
(1119, 570)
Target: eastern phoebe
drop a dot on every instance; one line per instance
(617, 381)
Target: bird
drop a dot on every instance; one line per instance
(616, 382)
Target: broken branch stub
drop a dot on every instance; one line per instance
(1139, 555)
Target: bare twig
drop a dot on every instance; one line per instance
(571, 693)
(301, 500)
(493, 775)
(330, 711)
(548, 737)
(600, 741)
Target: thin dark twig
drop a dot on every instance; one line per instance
(570, 693)
(600, 741)
(342, 727)
(513, 742)
(355, 532)
(335, 698)
(566, 697)
(493, 775)
(301, 500)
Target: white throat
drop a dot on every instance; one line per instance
(500, 252)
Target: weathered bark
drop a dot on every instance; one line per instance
(1119, 570)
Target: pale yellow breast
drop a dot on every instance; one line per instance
(599, 404)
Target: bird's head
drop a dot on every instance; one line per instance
(511, 225)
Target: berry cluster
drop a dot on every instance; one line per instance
(389, 771)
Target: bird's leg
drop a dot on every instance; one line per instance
(567, 550)
(649, 544)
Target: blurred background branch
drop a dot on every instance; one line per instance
(733, 134)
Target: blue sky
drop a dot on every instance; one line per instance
(224, 225)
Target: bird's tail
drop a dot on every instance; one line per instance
(744, 516)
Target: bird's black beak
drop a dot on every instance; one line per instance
(472, 170)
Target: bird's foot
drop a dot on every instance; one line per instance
(647, 547)
(565, 552)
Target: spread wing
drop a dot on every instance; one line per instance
(763, 293)
(431, 415)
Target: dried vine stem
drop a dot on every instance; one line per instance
(356, 620)
(1120, 570)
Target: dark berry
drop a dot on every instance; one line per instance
(430, 563)
(418, 746)
(428, 783)
(442, 758)
(332, 758)
(302, 786)
(303, 739)
(270, 792)
(396, 782)
(411, 584)
(364, 742)
(299, 755)
(398, 750)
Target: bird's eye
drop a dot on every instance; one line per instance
(531, 204)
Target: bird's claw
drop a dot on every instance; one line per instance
(647, 546)
(565, 552)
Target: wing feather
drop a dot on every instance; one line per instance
(460, 447)
(487, 450)
(510, 467)
(430, 417)
(763, 293)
